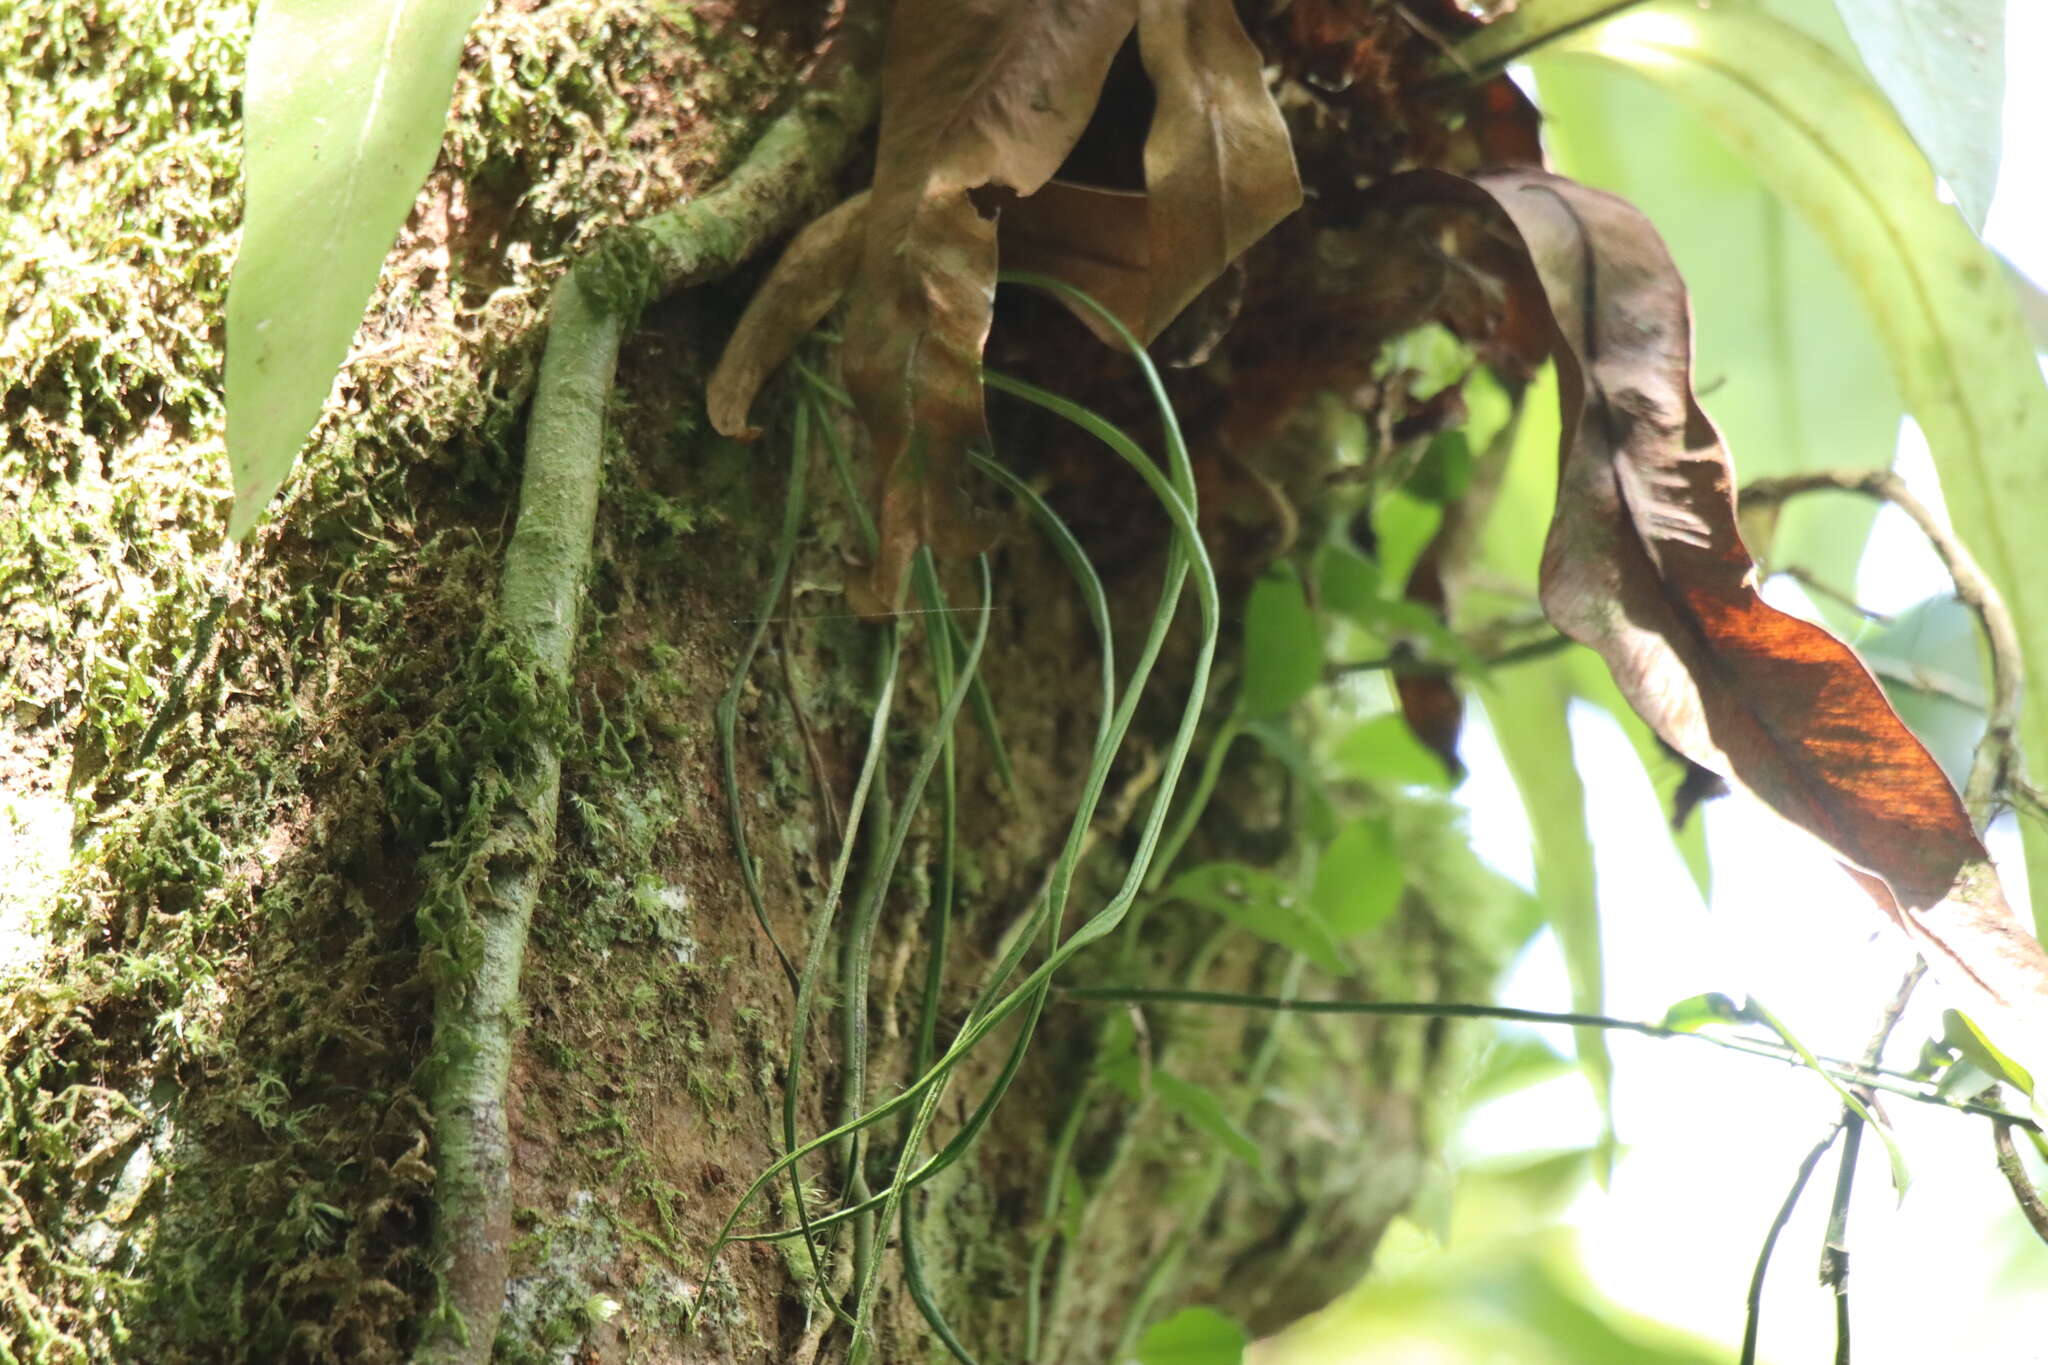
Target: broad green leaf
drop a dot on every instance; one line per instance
(343, 115)
(1901, 1177)
(1193, 1336)
(1824, 140)
(1254, 899)
(1942, 62)
(1204, 1112)
(1785, 356)
(1283, 649)
(1384, 749)
(1528, 715)
(1358, 881)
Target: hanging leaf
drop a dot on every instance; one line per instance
(807, 283)
(1219, 167)
(1799, 380)
(1942, 63)
(342, 118)
(1644, 564)
(976, 95)
(1820, 137)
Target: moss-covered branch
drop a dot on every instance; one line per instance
(547, 565)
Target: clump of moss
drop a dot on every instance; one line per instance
(210, 1144)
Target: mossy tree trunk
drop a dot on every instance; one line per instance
(231, 847)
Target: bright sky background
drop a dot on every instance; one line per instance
(1950, 1274)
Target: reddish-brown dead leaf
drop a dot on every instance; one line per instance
(1219, 165)
(975, 93)
(807, 283)
(1644, 564)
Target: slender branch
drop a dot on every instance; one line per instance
(1834, 1254)
(547, 565)
(1404, 662)
(2015, 1174)
(1997, 762)
(1849, 1072)
(1754, 1313)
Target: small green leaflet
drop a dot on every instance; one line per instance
(1193, 1336)
(343, 115)
(1268, 906)
(1358, 880)
(1119, 1064)
(1283, 650)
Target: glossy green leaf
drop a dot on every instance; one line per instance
(1358, 880)
(1384, 749)
(1256, 900)
(1193, 1336)
(1403, 524)
(1205, 1113)
(1283, 649)
(1942, 62)
(342, 118)
(1788, 365)
(1824, 140)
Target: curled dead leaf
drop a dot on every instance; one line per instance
(1644, 563)
(1219, 165)
(975, 94)
(807, 283)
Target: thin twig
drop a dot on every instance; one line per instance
(1905, 1087)
(2023, 1191)
(1997, 762)
(1405, 662)
(1820, 587)
(1755, 1302)
(1834, 1254)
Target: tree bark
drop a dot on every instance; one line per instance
(239, 851)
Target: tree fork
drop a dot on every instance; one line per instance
(788, 172)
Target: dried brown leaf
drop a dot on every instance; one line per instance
(1219, 165)
(975, 93)
(1094, 239)
(808, 282)
(1644, 563)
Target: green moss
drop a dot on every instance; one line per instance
(226, 1020)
